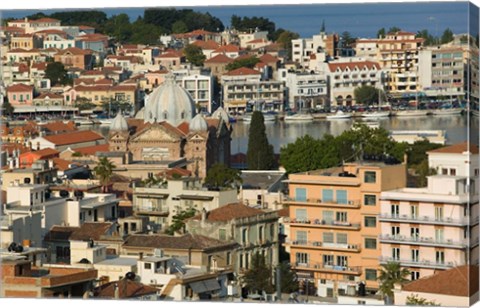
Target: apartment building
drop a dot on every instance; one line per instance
(304, 89)
(435, 227)
(366, 48)
(247, 37)
(200, 87)
(441, 71)
(74, 57)
(333, 220)
(398, 54)
(345, 77)
(320, 46)
(26, 41)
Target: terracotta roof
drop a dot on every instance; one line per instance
(161, 72)
(52, 31)
(61, 164)
(187, 241)
(169, 173)
(19, 87)
(41, 66)
(184, 127)
(22, 67)
(74, 137)
(220, 58)
(91, 230)
(59, 126)
(238, 158)
(171, 54)
(9, 147)
(242, 71)
(60, 233)
(227, 48)
(75, 51)
(229, 212)
(458, 148)
(104, 81)
(13, 29)
(43, 20)
(351, 65)
(206, 44)
(82, 27)
(93, 73)
(21, 50)
(49, 95)
(458, 281)
(260, 40)
(268, 58)
(283, 212)
(91, 150)
(126, 289)
(45, 153)
(103, 88)
(84, 81)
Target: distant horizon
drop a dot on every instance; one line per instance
(306, 19)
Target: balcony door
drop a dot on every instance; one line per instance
(396, 253)
(395, 231)
(415, 255)
(440, 257)
(395, 210)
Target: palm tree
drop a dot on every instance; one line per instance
(391, 274)
(104, 170)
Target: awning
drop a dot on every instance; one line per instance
(205, 286)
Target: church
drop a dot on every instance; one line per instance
(168, 129)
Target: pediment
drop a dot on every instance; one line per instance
(155, 133)
(197, 137)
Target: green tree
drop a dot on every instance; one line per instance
(220, 175)
(178, 220)
(447, 36)
(104, 171)
(248, 24)
(119, 27)
(285, 40)
(259, 277)
(381, 33)
(288, 278)
(366, 95)
(428, 38)
(394, 29)
(422, 170)
(194, 54)
(144, 33)
(347, 39)
(57, 74)
(245, 62)
(418, 151)
(7, 107)
(179, 27)
(390, 274)
(260, 154)
(166, 17)
(414, 300)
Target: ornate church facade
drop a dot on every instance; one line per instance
(168, 129)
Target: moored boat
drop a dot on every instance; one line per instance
(411, 113)
(447, 111)
(294, 117)
(339, 115)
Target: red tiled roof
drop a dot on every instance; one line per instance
(75, 51)
(20, 87)
(43, 20)
(126, 289)
(61, 164)
(9, 147)
(60, 233)
(21, 50)
(184, 127)
(229, 212)
(41, 66)
(45, 153)
(238, 158)
(171, 54)
(283, 212)
(49, 95)
(74, 137)
(51, 31)
(458, 281)
(268, 58)
(351, 65)
(169, 173)
(187, 241)
(220, 58)
(22, 67)
(458, 148)
(161, 72)
(227, 48)
(102, 88)
(206, 44)
(85, 81)
(104, 81)
(257, 41)
(59, 126)
(13, 29)
(82, 27)
(243, 71)
(93, 73)
(91, 150)
(91, 230)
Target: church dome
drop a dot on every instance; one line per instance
(220, 113)
(169, 102)
(140, 114)
(198, 124)
(119, 123)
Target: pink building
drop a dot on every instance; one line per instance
(20, 95)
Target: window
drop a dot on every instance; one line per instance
(439, 235)
(440, 257)
(370, 200)
(327, 195)
(301, 237)
(414, 211)
(342, 197)
(371, 274)
(260, 233)
(300, 194)
(222, 234)
(147, 266)
(415, 255)
(453, 171)
(342, 238)
(370, 177)
(133, 226)
(240, 257)
(328, 237)
(395, 231)
(396, 253)
(244, 235)
(327, 217)
(341, 216)
(414, 275)
(395, 210)
(246, 260)
(438, 213)
(444, 171)
(370, 243)
(370, 221)
(229, 258)
(301, 258)
(342, 261)
(300, 214)
(415, 232)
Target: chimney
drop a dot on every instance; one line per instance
(140, 255)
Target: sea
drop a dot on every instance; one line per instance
(362, 20)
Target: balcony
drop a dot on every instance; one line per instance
(327, 268)
(152, 211)
(324, 246)
(422, 241)
(427, 220)
(417, 263)
(349, 204)
(318, 223)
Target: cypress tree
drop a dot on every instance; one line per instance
(260, 152)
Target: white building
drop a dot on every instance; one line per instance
(305, 90)
(460, 159)
(250, 36)
(199, 85)
(262, 188)
(366, 48)
(309, 52)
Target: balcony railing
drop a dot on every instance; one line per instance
(354, 204)
(426, 241)
(320, 223)
(427, 219)
(323, 245)
(420, 263)
(321, 267)
(154, 211)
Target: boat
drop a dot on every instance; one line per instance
(294, 117)
(339, 115)
(247, 118)
(411, 113)
(82, 121)
(378, 113)
(447, 111)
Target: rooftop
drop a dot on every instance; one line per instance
(187, 241)
(126, 289)
(91, 230)
(458, 148)
(229, 212)
(260, 179)
(73, 137)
